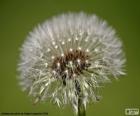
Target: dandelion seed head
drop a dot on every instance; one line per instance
(67, 54)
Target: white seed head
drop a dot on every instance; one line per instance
(48, 50)
(52, 57)
(63, 43)
(69, 40)
(53, 43)
(71, 49)
(79, 48)
(56, 47)
(78, 60)
(46, 64)
(58, 64)
(62, 55)
(76, 39)
(67, 54)
(87, 50)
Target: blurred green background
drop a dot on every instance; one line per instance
(18, 17)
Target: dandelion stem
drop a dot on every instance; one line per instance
(81, 108)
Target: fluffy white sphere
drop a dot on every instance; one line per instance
(68, 55)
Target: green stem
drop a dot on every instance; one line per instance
(81, 108)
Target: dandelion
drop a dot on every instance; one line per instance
(67, 58)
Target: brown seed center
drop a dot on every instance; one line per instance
(70, 64)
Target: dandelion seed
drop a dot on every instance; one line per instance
(66, 59)
(56, 47)
(62, 55)
(52, 57)
(63, 43)
(87, 50)
(71, 49)
(69, 40)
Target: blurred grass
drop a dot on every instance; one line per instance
(18, 17)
